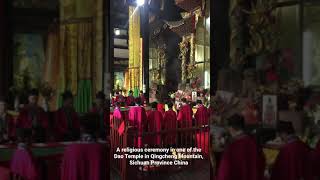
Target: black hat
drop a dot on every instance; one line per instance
(154, 105)
(100, 95)
(33, 92)
(138, 101)
(237, 122)
(67, 95)
(285, 127)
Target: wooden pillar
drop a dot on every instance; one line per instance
(220, 40)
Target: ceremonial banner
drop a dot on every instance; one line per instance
(135, 58)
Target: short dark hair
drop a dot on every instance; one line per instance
(138, 101)
(89, 122)
(100, 95)
(199, 102)
(33, 92)
(67, 95)
(285, 127)
(236, 122)
(170, 105)
(154, 105)
(130, 91)
(184, 100)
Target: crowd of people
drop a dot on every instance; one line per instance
(162, 121)
(64, 124)
(243, 157)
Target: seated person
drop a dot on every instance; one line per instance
(292, 162)
(242, 159)
(130, 99)
(67, 125)
(101, 110)
(118, 98)
(7, 124)
(34, 117)
(87, 156)
(88, 128)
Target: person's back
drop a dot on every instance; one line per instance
(292, 162)
(154, 121)
(201, 120)
(170, 120)
(185, 114)
(201, 115)
(294, 159)
(170, 123)
(137, 119)
(241, 161)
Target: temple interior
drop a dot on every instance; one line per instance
(85, 83)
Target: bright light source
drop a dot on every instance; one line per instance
(208, 21)
(140, 2)
(206, 80)
(117, 32)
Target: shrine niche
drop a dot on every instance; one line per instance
(179, 50)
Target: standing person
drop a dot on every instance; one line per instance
(185, 121)
(142, 98)
(241, 160)
(137, 120)
(67, 123)
(185, 114)
(160, 106)
(170, 123)
(101, 110)
(154, 120)
(130, 99)
(201, 120)
(292, 162)
(33, 117)
(7, 124)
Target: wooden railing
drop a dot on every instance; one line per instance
(122, 135)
